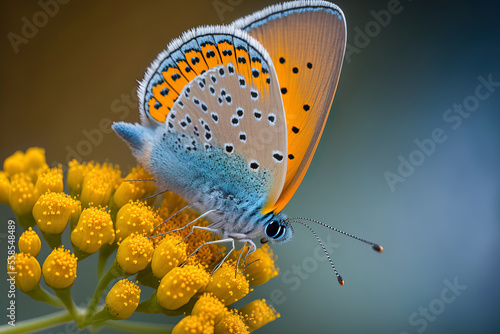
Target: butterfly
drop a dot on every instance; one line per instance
(231, 116)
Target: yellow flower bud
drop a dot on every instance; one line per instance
(98, 184)
(209, 307)
(4, 188)
(134, 253)
(53, 210)
(27, 271)
(231, 323)
(15, 163)
(180, 284)
(194, 324)
(258, 313)
(94, 228)
(59, 268)
(168, 255)
(76, 171)
(23, 194)
(34, 160)
(123, 299)
(263, 267)
(50, 180)
(135, 218)
(30, 243)
(28, 163)
(227, 286)
(134, 190)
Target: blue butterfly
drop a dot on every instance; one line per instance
(231, 116)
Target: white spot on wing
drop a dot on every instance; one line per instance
(212, 90)
(254, 165)
(271, 118)
(278, 156)
(229, 148)
(235, 121)
(257, 114)
(243, 136)
(254, 94)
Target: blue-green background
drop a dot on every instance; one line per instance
(441, 224)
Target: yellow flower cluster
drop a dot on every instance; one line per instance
(59, 268)
(134, 190)
(168, 254)
(228, 284)
(135, 217)
(28, 163)
(23, 194)
(258, 313)
(53, 210)
(98, 183)
(94, 228)
(27, 271)
(123, 299)
(50, 180)
(134, 253)
(180, 285)
(107, 214)
(30, 243)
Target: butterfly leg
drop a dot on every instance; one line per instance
(181, 228)
(200, 228)
(175, 214)
(239, 258)
(252, 249)
(213, 242)
(157, 194)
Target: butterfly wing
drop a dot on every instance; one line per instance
(236, 104)
(306, 41)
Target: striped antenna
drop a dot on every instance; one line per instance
(339, 278)
(376, 247)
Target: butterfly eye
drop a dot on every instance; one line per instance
(274, 229)
(280, 232)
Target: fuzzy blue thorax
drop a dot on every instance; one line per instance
(209, 178)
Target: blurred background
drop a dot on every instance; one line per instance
(437, 216)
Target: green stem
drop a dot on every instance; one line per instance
(150, 306)
(65, 296)
(113, 272)
(37, 323)
(53, 240)
(81, 255)
(104, 254)
(26, 221)
(100, 316)
(42, 295)
(136, 327)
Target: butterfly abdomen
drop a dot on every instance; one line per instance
(138, 138)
